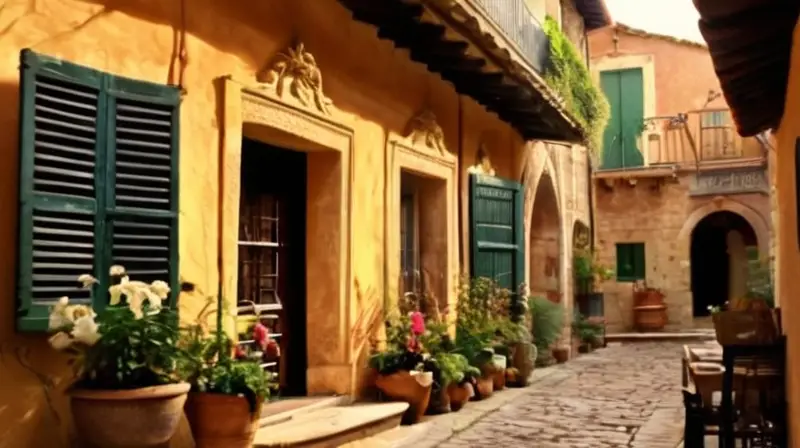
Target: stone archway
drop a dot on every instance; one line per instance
(544, 268)
(722, 244)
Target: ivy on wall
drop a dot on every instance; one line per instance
(567, 74)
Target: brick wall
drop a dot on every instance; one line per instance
(656, 217)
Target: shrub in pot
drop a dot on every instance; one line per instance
(227, 394)
(588, 332)
(547, 319)
(127, 389)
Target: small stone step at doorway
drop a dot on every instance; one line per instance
(325, 426)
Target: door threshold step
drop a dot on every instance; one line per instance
(283, 410)
(331, 426)
(661, 336)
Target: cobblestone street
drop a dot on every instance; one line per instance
(621, 396)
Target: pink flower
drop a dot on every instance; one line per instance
(417, 323)
(261, 335)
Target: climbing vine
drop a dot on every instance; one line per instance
(568, 75)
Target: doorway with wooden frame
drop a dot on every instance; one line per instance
(272, 256)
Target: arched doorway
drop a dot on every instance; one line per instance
(721, 245)
(545, 260)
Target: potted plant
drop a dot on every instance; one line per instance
(127, 389)
(649, 309)
(227, 394)
(587, 332)
(590, 274)
(460, 388)
(400, 374)
(547, 320)
(750, 320)
(481, 306)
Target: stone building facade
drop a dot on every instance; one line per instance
(681, 201)
(244, 113)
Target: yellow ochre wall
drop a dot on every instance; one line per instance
(375, 88)
(788, 288)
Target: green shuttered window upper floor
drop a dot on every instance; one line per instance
(98, 183)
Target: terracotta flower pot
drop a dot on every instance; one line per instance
(221, 421)
(145, 417)
(459, 394)
(561, 354)
(499, 379)
(439, 402)
(484, 387)
(414, 389)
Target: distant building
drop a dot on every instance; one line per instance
(681, 200)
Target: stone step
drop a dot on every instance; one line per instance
(331, 426)
(689, 335)
(283, 410)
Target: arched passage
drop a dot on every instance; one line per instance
(545, 260)
(721, 245)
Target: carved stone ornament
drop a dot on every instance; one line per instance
(297, 70)
(424, 128)
(483, 163)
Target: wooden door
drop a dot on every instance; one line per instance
(272, 254)
(624, 90)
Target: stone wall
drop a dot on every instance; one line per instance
(661, 214)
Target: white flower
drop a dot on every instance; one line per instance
(85, 330)
(135, 302)
(160, 288)
(116, 270)
(87, 280)
(115, 291)
(58, 315)
(60, 341)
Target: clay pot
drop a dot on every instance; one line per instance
(223, 421)
(499, 379)
(412, 388)
(484, 388)
(439, 402)
(650, 317)
(145, 417)
(459, 395)
(523, 360)
(561, 354)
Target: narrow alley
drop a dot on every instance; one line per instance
(621, 396)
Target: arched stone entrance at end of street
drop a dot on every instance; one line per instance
(720, 238)
(545, 242)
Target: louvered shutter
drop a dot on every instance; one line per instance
(61, 123)
(497, 235)
(143, 190)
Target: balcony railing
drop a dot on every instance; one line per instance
(702, 136)
(518, 23)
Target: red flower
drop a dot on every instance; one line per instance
(261, 335)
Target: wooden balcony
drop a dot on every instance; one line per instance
(703, 139)
(518, 23)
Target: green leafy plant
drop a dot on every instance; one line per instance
(131, 344)
(547, 320)
(568, 75)
(586, 330)
(483, 319)
(760, 283)
(208, 365)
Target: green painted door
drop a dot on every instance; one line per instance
(497, 248)
(625, 92)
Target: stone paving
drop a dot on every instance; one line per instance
(621, 396)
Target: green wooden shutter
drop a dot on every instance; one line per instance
(612, 136)
(61, 130)
(632, 118)
(639, 271)
(142, 192)
(497, 237)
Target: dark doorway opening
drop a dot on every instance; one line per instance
(719, 248)
(272, 254)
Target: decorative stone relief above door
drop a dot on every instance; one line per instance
(424, 129)
(483, 163)
(296, 70)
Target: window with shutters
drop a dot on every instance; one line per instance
(98, 183)
(630, 262)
